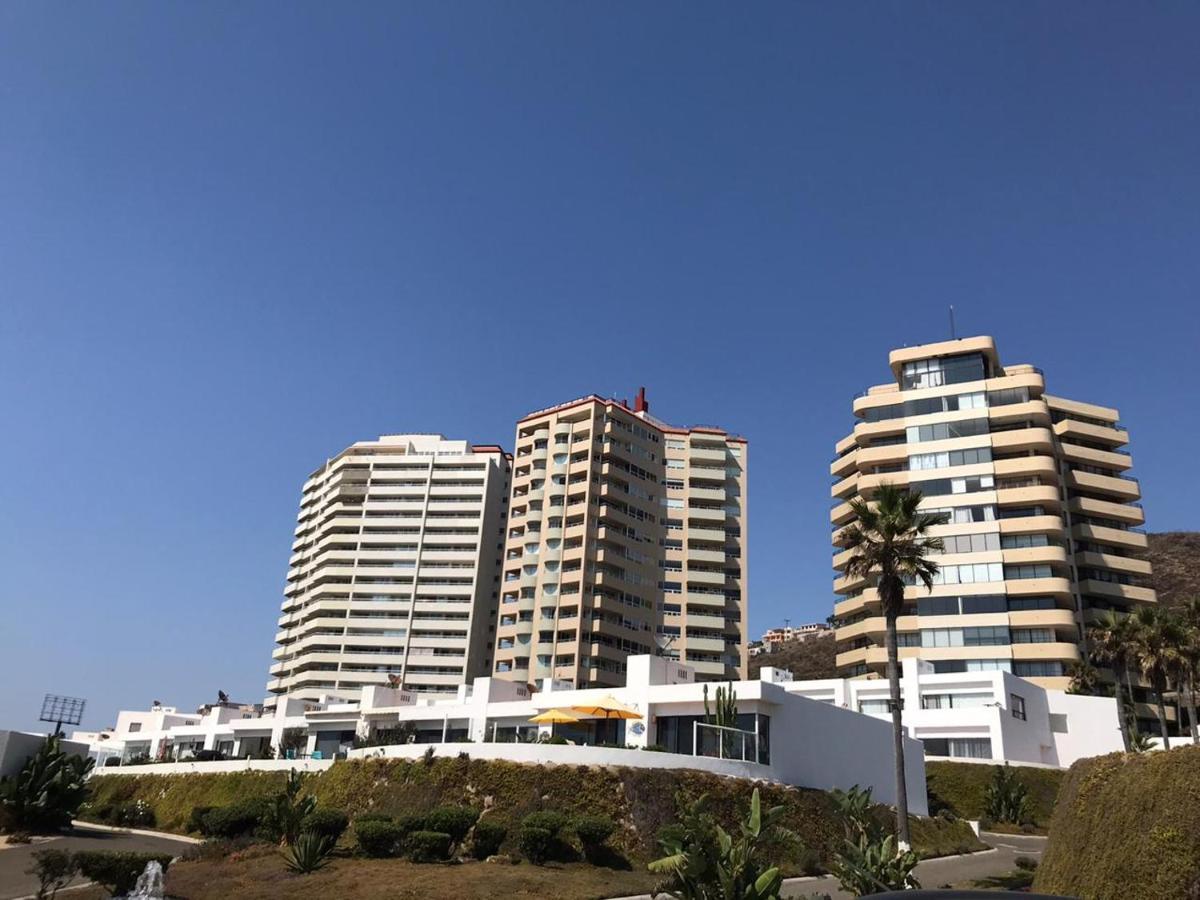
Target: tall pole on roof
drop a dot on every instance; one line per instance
(953, 335)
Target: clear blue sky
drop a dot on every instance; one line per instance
(235, 237)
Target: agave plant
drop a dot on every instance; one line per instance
(1006, 799)
(707, 863)
(309, 852)
(47, 792)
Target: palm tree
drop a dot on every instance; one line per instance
(892, 544)
(1085, 678)
(1112, 644)
(1188, 670)
(1157, 637)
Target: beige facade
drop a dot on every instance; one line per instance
(1044, 531)
(394, 569)
(626, 536)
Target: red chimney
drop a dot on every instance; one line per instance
(640, 405)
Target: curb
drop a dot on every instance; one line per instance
(165, 835)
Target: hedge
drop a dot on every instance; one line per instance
(639, 801)
(1127, 826)
(960, 787)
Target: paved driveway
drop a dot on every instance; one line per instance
(933, 873)
(14, 860)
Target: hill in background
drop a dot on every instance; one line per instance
(1175, 556)
(806, 660)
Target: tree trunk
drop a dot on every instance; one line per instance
(893, 673)
(1191, 695)
(1132, 701)
(1123, 722)
(1162, 715)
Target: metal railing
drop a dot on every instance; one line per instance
(723, 742)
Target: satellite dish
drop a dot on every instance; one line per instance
(393, 680)
(664, 642)
(222, 697)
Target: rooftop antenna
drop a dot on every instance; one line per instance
(953, 334)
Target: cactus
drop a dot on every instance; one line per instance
(723, 714)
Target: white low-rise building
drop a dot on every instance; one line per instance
(818, 734)
(985, 716)
(778, 734)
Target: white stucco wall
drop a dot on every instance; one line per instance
(1092, 726)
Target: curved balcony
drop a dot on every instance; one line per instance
(1039, 587)
(846, 488)
(1034, 411)
(1126, 593)
(1104, 509)
(868, 484)
(1032, 525)
(1043, 618)
(1126, 564)
(1101, 535)
(1037, 439)
(1040, 466)
(1108, 459)
(1043, 495)
(844, 465)
(841, 514)
(1058, 650)
(1030, 555)
(1071, 428)
(1121, 489)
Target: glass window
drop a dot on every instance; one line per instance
(1017, 705)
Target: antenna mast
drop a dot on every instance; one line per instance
(953, 334)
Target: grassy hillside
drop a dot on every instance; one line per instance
(642, 801)
(1175, 556)
(1126, 826)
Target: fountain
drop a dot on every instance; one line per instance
(149, 884)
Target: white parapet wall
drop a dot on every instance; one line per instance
(559, 754)
(217, 767)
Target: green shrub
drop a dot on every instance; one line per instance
(487, 838)
(309, 852)
(196, 818)
(378, 838)
(536, 844)
(117, 871)
(455, 821)
(372, 817)
(329, 822)
(551, 820)
(1127, 826)
(428, 846)
(233, 821)
(592, 832)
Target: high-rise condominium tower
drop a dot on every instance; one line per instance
(625, 535)
(395, 568)
(1042, 533)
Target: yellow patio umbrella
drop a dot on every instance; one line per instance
(556, 717)
(607, 708)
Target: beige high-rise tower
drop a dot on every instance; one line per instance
(626, 535)
(1043, 532)
(395, 569)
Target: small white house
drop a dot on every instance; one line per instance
(982, 716)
